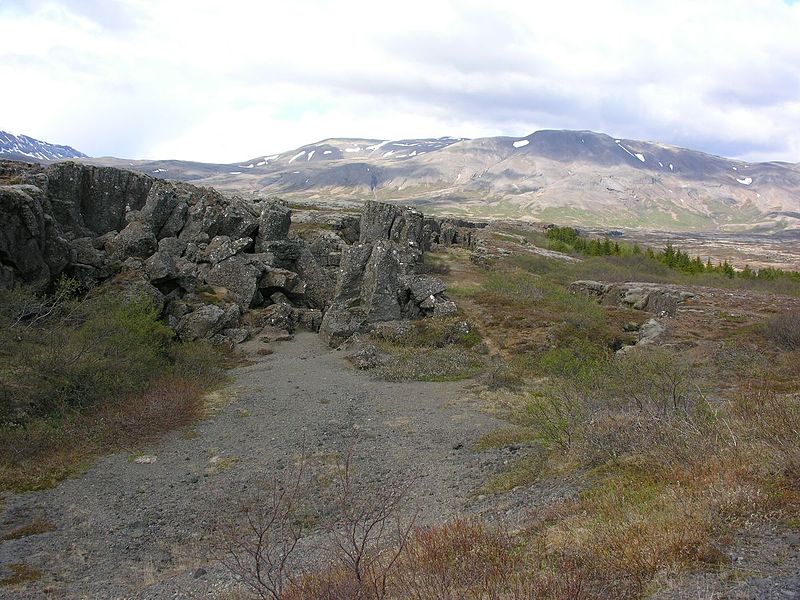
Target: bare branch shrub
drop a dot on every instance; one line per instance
(656, 382)
(369, 533)
(259, 545)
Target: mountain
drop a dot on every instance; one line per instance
(22, 147)
(579, 177)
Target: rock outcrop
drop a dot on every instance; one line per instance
(32, 249)
(662, 300)
(219, 267)
(378, 278)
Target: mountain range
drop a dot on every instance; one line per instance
(578, 177)
(24, 148)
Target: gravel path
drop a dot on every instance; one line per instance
(128, 529)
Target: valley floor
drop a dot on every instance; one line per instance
(132, 528)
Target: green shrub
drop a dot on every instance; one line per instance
(63, 351)
(199, 360)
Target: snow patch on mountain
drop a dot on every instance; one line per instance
(23, 145)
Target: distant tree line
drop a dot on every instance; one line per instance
(569, 239)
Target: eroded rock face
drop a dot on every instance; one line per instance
(273, 224)
(32, 250)
(94, 200)
(378, 278)
(207, 259)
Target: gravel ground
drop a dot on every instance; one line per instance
(128, 529)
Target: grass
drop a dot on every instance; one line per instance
(670, 474)
(36, 527)
(503, 437)
(45, 451)
(450, 363)
(433, 349)
(21, 574)
(522, 471)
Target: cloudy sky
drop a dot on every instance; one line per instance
(226, 81)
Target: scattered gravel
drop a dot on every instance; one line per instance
(138, 524)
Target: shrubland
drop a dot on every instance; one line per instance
(678, 449)
(86, 372)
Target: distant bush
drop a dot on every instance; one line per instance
(784, 330)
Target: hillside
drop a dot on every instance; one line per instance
(572, 177)
(577, 177)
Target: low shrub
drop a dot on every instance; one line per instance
(449, 363)
(84, 374)
(784, 330)
(69, 352)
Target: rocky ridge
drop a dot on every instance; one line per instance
(219, 268)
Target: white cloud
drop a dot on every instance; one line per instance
(227, 81)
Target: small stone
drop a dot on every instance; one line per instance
(145, 459)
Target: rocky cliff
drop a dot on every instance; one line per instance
(219, 267)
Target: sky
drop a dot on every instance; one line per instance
(225, 81)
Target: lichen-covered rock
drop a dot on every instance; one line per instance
(161, 267)
(222, 247)
(662, 300)
(240, 275)
(165, 208)
(381, 221)
(424, 286)
(136, 240)
(211, 214)
(206, 321)
(273, 224)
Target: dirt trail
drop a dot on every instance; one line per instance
(127, 529)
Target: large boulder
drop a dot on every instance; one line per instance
(165, 208)
(381, 221)
(136, 240)
(240, 275)
(273, 224)
(207, 321)
(377, 282)
(211, 214)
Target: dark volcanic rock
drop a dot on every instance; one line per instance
(380, 221)
(377, 277)
(31, 249)
(206, 258)
(651, 297)
(94, 199)
(273, 224)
